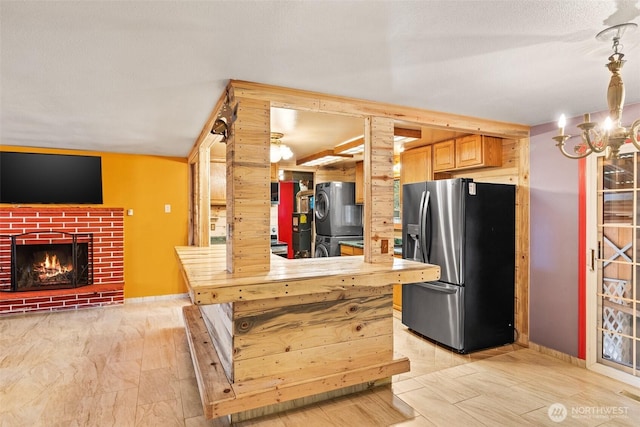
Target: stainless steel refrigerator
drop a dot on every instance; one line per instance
(468, 229)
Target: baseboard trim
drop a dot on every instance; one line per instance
(138, 300)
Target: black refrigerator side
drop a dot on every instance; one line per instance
(489, 265)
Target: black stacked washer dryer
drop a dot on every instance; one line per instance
(337, 217)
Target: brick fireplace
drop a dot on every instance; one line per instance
(44, 226)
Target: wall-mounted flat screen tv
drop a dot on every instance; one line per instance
(50, 178)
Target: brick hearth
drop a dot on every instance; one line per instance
(107, 227)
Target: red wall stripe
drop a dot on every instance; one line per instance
(582, 259)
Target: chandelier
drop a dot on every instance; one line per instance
(279, 151)
(609, 136)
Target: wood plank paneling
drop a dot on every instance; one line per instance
(248, 191)
(344, 174)
(295, 316)
(523, 222)
(314, 101)
(212, 381)
(267, 343)
(203, 199)
(257, 393)
(309, 363)
(378, 190)
(210, 283)
(293, 332)
(219, 323)
(353, 292)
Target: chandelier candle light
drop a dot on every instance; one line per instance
(609, 136)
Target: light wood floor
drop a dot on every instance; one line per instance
(130, 365)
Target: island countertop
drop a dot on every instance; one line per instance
(209, 282)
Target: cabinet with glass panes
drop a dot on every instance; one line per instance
(618, 299)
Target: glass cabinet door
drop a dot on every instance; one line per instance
(618, 263)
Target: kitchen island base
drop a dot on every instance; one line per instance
(315, 356)
(308, 330)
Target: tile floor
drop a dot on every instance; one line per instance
(130, 366)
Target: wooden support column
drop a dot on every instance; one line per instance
(523, 222)
(378, 190)
(248, 187)
(203, 203)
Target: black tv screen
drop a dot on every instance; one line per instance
(50, 178)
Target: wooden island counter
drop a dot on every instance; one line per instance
(306, 330)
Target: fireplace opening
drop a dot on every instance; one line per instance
(63, 261)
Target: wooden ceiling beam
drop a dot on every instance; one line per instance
(407, 133)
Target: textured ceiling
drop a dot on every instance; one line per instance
(143, 76)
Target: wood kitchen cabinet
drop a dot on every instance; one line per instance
(218, 183)
(415, 165)
(397, 297)
(478, 150)
(471, 151)
(347, 250)
(359, 182)
(444, 156)
(397, 293)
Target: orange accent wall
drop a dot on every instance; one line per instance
(145, 184)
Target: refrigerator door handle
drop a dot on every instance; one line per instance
(445, 289)
(425, 226)
(421, 220)
(421, 228)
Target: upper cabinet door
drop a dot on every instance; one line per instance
(469, 151)
(478, 151)
(444, 156)
(415, 165)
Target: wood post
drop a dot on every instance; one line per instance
(378, 190)
(248, 187)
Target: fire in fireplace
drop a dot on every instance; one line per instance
(51, 260)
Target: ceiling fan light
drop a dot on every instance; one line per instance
(275, 154)
(278, 150)
(285, 152)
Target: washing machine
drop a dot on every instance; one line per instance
(327, 246)
(336, 212)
